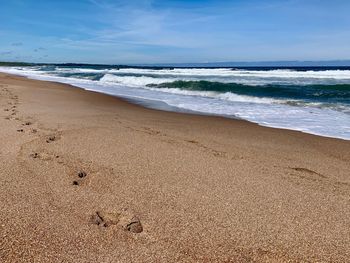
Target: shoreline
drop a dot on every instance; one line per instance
(82, 171)
(160, 105)
(167, 108)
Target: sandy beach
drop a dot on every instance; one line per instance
(87, 177)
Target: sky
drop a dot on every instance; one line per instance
(173, 31)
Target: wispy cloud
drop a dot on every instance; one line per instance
(17, 44)
(140, 23)
(39, 49)
(6, 53)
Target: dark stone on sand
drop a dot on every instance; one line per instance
(82, 174)
(20, 130)
(34, 155)
(51, 139)
(75, 183)
(135, 226)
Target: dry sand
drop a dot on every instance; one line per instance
(87, 177)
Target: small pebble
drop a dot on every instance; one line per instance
(75, 183)
(51, 139)
(82, 174)
(34, 155)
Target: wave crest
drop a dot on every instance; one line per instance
(338, 91)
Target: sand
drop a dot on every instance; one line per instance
(87, 177)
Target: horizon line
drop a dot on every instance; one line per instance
(277, 64)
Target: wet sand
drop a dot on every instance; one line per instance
(87, 177)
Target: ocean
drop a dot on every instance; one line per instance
(311, 100)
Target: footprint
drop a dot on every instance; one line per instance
(105, 219)
(214, 152)
(305, 170)
(125, 220)
(34, 155)
(81, 174)
(43, 156)
(51, 138)
(150, 131)
(135, 225)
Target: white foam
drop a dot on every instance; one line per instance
(132, 80)
(248, 77)
(81, 70)
(228, 72)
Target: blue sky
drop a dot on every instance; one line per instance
(164, 31)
